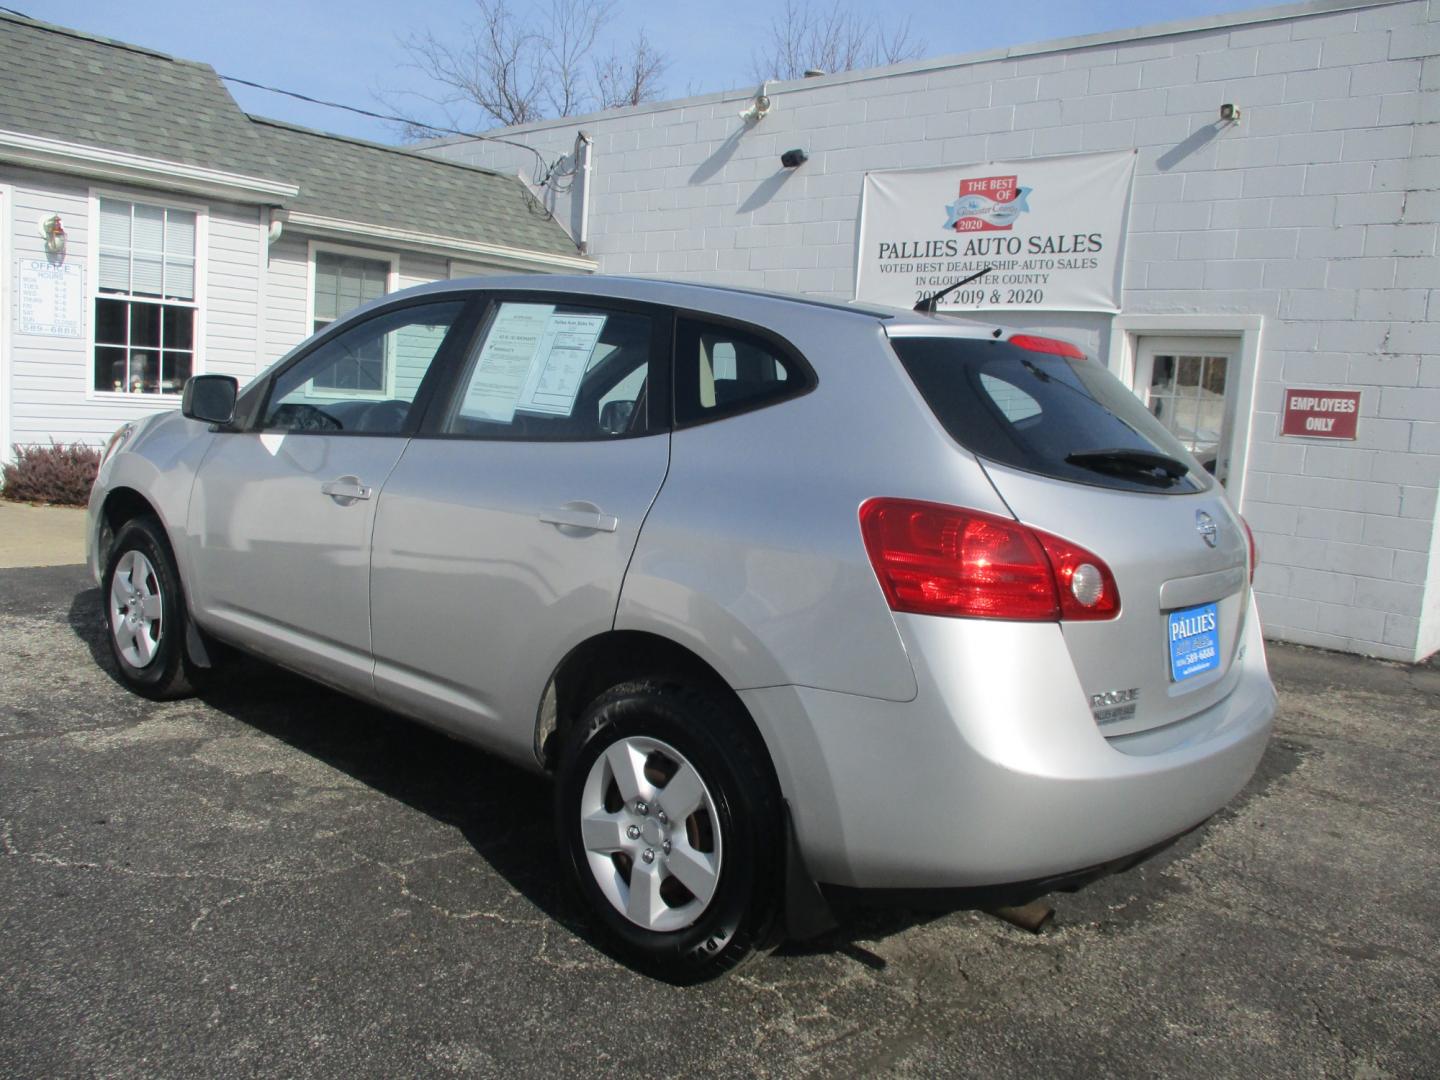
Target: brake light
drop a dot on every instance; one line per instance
(932, 559)
(1054, 346)
(1254, 548)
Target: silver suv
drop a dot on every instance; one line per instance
(791, 598)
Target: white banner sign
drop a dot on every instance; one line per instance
(1051, 231)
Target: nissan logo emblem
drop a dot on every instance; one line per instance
(1205, 526)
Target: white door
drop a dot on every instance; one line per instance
(1190, 385)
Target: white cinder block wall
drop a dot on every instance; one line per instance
(1317, 212)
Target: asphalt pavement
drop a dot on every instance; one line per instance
(273, 880)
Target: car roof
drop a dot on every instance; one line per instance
(719, 299)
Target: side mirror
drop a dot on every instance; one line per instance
(615, 417)
(209, 398)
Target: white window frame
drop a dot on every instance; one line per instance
(1246, 330)
(392, 282)
(92, 285)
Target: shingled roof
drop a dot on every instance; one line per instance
(61, 84)
(70, 86)
(387, 185)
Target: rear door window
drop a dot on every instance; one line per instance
(548, 371)
(1046, 413)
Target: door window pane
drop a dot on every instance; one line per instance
(548, 371)
(387, 356)
(1187, 395)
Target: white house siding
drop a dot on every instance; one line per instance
(253, 306)
(47, 375)
(50, 377)
(1317, 212)
(420, 269)
(287, 285)
(233, 290)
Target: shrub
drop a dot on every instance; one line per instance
(52, 474)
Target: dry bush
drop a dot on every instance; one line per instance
(57, 473)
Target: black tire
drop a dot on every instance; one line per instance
(161, 671)
(740, 914)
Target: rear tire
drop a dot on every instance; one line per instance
(145, 612)
(670, 823)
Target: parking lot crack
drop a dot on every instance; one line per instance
(205, 912)
(402, 879)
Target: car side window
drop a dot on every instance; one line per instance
(365, 378)
(555, 371)
(720, 370)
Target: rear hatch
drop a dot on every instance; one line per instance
(1074, 453)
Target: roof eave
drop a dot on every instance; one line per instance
(98, 162)
(450, 247)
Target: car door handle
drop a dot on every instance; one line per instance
(580, 516)
(345, 488)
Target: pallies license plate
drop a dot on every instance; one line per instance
(1194, 641)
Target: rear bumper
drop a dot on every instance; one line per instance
(996, 772)
(983, 897)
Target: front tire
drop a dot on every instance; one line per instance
(145, 612)
(670, 822)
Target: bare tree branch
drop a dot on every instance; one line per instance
(838, 38)
(494, 64)
(632, 78)
(573, 26)
(517, 67)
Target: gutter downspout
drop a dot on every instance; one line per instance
(583, 143)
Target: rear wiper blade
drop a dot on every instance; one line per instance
(1126, 458)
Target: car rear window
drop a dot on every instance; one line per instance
(1048, 414)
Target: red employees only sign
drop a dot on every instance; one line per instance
(1321, 414)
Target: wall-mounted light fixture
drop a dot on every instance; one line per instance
(54, 234)
(759, 107)
(1229, 114)
(792, 159)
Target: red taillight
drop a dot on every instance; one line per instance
(1054, 346)
(932, 559)
(1254, 548)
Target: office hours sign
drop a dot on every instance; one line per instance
(1051, 230)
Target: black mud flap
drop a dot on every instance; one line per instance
(807, 913)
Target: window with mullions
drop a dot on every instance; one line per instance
(342, 283)
(145, 300)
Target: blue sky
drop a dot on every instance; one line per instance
(348, 51)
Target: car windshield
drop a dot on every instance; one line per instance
(1046, 413)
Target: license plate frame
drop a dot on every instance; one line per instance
(1193, 635)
